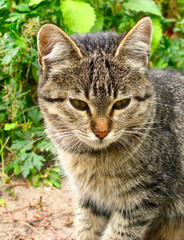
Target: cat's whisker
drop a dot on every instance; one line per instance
(38, 133)
(38, 139)
(27, 110)
(46, 146)
(142, 124)
(165, 105)
(143, 128)
(135, 133)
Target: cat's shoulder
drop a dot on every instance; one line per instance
(167, 76)
(170, 80)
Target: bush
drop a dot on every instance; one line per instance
(24, 148)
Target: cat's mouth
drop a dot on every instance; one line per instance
(98, 143)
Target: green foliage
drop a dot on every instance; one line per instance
(2, 202)
(157, 33)
(24, 147)
(79, 16)
(147, 6)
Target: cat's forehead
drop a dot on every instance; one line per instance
(100, 78)
(91, 42)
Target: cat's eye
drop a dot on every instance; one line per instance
(121, 104)
(78, 104)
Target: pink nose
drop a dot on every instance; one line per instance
(101, 135)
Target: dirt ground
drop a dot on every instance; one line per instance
(43, 213)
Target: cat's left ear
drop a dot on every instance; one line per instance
(137, 43)
(54, 44)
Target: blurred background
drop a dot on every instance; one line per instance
(24, 148)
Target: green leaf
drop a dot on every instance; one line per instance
(98, 25)
(57, 170)
(10, 126)
(17, 169)
(15, 16)
(26, 167)
(3, 106)
(9, 55)
(157, 33)
(46, 145)
(33, 171)
(55, 176)
(35, 180)
(2, 202)
(55, 183)
(79, 16)
(23, 7)
(20, 134)
(35, 70)
(35, 2)
(147, 6)
(20, 42)
(35, 115)
(3, 117)
(37, 160)
(21, 157)
(3, 4)
(21, 144)
(31, 160)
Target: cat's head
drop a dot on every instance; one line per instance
(94, 89)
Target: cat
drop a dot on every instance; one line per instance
(118, 131)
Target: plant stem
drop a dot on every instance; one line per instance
(2, 154)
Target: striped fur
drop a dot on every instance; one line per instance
(122, 153)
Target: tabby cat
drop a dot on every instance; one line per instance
(118, 131)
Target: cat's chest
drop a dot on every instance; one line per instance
(100, 179)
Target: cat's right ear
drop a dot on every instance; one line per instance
(54, 44)
(137, 43)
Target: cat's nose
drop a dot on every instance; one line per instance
(101, 135)
(101, 127)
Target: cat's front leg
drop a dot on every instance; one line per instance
(88, 225)
(120, 228)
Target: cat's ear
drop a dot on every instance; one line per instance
(137, 42)
(54, 44)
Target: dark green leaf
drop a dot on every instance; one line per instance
(35, 2)
(3, 117)
(35, 115)
(35, 70)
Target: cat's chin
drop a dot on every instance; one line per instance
(98, 144)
